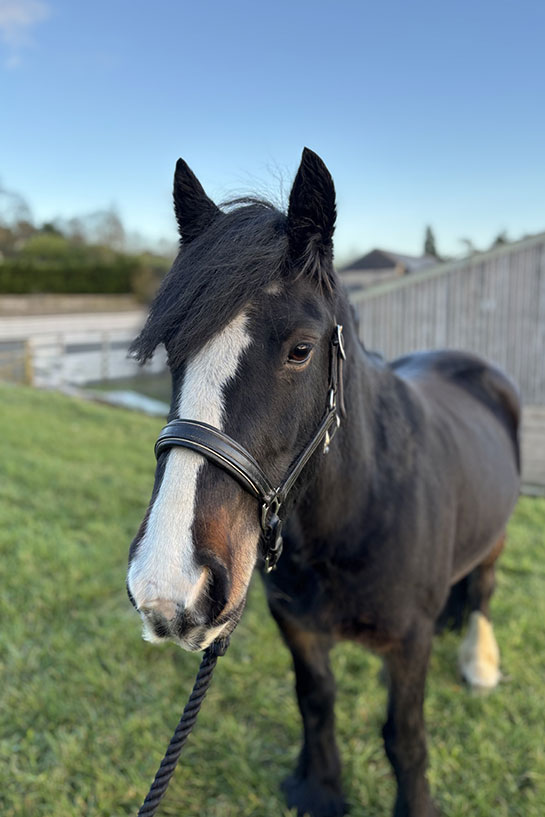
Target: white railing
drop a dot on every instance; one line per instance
(54, 360)
(77, 358)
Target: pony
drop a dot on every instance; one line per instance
(393, 525)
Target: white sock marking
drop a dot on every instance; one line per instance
(479, 656)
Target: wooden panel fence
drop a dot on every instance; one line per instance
(491, 303)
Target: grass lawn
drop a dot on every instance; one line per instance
(86, 707)
(156, 385)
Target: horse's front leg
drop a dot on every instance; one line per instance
(404, 732)
(315, 787)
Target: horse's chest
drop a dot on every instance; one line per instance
(347, 607)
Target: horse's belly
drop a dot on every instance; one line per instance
(488, 491)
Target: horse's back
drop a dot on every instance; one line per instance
(472, 412)
(473, 375)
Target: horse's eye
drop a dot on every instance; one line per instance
(300, 353)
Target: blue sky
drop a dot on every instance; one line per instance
(425, 112)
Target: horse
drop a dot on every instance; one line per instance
(402, 475)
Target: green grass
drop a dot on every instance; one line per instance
(86, 707)
(156, 385)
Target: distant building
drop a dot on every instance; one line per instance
(379, 266)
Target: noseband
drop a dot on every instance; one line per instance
(225, 452)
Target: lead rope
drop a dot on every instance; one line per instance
(183, 730)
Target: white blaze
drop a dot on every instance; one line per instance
(164, 566)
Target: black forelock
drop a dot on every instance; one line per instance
(243, 251)
(212, 278)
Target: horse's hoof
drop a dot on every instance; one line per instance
(426, 809)
(312, 798)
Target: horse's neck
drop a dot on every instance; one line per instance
(351, 476)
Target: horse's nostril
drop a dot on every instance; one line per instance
(164, 607)
(218, 588)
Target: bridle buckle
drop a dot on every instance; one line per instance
(338, 340)
(271, 525)
(330, 434)
(273, 505)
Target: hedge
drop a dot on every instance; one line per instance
(54, 265)
(20, 276)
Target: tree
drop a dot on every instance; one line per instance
(429, 244)
(15, 221)
(469, 245)
(13, 208)
(104, 227)
(500, 240)
(50, 228)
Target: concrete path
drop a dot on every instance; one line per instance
(32, 326)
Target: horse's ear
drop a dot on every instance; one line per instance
(311, 216)
(194, 210)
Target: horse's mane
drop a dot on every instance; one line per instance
(213, 276)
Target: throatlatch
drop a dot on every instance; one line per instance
(228, 454)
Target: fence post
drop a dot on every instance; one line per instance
(28, 363)
(105, 358)
(61, 347)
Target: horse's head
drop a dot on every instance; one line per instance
(246, 315)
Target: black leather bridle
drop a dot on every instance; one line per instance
(222, 450)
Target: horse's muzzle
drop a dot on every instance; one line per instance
(167, 621)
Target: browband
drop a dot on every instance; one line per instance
(228, 454)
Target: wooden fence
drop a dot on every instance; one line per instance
(16, 362)
(492, 303)
(53, 360)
